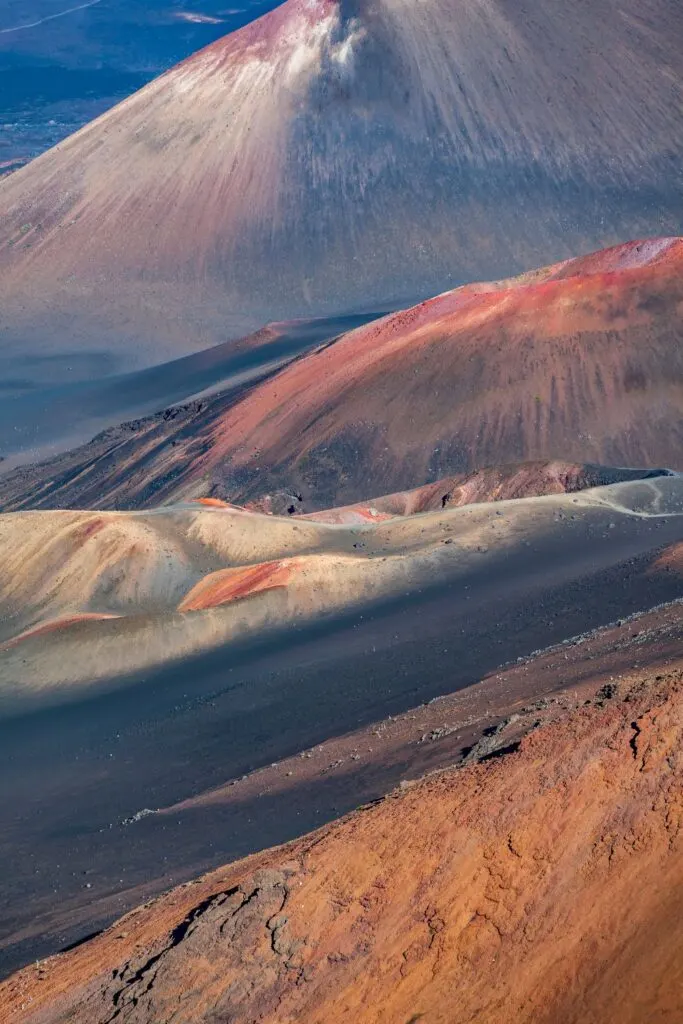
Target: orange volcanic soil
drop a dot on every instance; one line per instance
(235, 584)
(579, 361)
(538, 886)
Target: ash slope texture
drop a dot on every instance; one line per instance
(40, 418)
(537, 887)
(263, 177)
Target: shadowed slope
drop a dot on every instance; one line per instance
(43, 417)
(289, 168)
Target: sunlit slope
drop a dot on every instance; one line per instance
(87, 598)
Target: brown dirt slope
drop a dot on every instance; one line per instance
(538, 886)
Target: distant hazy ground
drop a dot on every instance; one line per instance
(63, 62)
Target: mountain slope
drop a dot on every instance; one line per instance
(340, 154)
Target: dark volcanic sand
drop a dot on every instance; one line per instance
(74, 774)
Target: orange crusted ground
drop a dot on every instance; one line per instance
(540, 886)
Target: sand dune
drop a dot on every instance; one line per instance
(95, 596)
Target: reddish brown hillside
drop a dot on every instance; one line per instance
(580, 361)
(577, 363)
(541, 886)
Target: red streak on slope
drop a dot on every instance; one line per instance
(218, 503)
(55, 625)
(229, 585)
